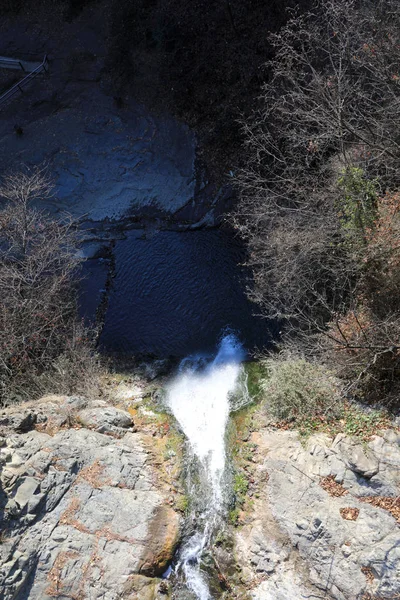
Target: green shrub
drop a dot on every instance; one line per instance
(240, 486)
(358, 202)
(255, 372)
(297, 390)
(233, 516)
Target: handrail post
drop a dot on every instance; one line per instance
(19, 85)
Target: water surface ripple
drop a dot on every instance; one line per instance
(175, 292)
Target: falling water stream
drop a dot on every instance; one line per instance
(200, 397)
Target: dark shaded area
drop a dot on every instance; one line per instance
(201, 59)
(175, 293)
(70, 8)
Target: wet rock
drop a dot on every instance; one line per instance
(161, 545)
(156, 368)
(163, 587)
(145, 588)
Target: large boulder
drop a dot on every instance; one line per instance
(106, 419)
(85, 514)
(358, 458)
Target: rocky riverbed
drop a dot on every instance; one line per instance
(93, 506)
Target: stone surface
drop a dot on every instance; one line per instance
(132, 392)
(20, 422)
(85, 515)
(109, 165)
(296, 535)
(359, 459)
(285, 584)
(105, 419)
(109, 160)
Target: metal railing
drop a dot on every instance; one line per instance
(11, 63)
(20, 85)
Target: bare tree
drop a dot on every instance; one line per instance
(38, 275)
(332, 102)
(322, 147)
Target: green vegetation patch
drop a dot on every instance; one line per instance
(309, 398)
(353, 420)
(297, 390)
(357, 204)
(255, 372)
(240, 485)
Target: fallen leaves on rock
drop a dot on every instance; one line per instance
(55, 574)
(349, 513)
(387, 503)
(92, 474)
(332, 487)
(68, 517)
(368, 574)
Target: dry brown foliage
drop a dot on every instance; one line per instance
(333, 488)
(92, 474)
(349, 513)
(55, 574)
(368, 574)
(390, 504)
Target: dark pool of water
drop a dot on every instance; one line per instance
(175, 292)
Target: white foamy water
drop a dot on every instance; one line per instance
(199, 398)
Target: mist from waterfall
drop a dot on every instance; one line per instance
(199, 398)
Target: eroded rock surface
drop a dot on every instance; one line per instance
(84, 514)
(313, 532)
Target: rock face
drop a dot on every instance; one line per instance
(112, 159)
(105, 420)
(317, 529)
(84, 513)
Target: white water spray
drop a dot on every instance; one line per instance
(199, 398)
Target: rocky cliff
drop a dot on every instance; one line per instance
(86, 503)
(92, 507)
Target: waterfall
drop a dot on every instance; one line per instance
(199, 398)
